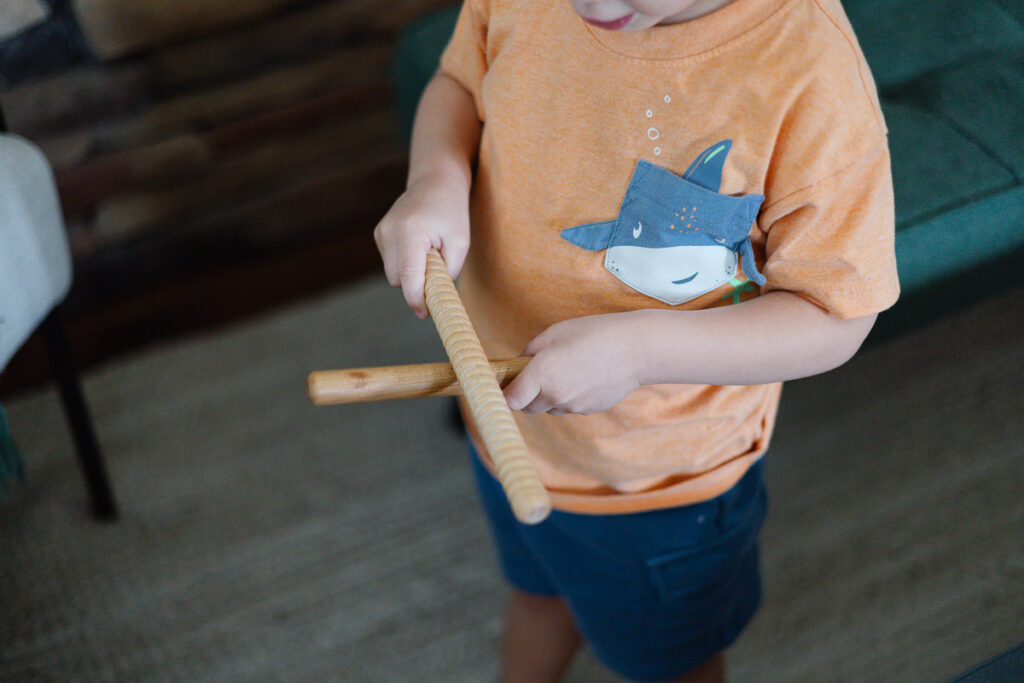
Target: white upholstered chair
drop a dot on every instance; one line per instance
(35, 276)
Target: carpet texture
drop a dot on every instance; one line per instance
(264, 539)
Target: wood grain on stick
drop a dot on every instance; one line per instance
(513, 467)
(356, 385)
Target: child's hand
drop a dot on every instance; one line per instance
(431, 213)
(582, 366)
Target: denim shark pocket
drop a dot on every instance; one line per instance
(676, 238)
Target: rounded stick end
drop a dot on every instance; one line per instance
(314, 388)
(532, 510)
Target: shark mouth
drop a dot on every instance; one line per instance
(686, 279)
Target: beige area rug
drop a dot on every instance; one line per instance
(264, 539)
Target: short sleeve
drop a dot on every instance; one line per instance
(465, 57)
(834, 242)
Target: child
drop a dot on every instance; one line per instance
(676, 205)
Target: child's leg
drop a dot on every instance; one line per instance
(654, 593)
(540, 639)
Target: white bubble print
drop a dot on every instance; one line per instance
(667, 99)
(653, 133)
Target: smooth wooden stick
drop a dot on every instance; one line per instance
(355, 385)
(513, 467)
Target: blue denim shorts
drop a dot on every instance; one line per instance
(654, 593)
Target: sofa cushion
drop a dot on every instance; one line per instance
(903, 39)
(958, 167)
(1015, 8)
(983, 99)
(962, 240)
(936, 168)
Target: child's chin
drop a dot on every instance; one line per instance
(641, 23)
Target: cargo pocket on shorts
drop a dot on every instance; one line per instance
(701, 589)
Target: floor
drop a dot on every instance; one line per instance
(264, 539)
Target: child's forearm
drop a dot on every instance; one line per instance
(445, 136)
(433, 212)
(586, 365)
(776, 337)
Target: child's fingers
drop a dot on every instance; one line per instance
(390, 253)
(538, 405)
(528, 396)
(525, 392)
(412, 270)
(522, 391)
(542, 340)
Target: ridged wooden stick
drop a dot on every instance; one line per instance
(517, 474)
(388, 382)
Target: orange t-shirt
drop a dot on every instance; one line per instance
(683, 127)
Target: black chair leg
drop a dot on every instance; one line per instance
(100, 494)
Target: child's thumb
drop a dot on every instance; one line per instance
(454, 251)
(521, 391)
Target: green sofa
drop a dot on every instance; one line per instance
(950, 76)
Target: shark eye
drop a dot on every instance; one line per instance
(637, 230)
(686, 279)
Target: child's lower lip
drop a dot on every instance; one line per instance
(610, 25)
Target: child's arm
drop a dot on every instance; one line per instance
(589, 364)
(434, 210)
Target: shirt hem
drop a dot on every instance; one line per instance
(722, 478)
